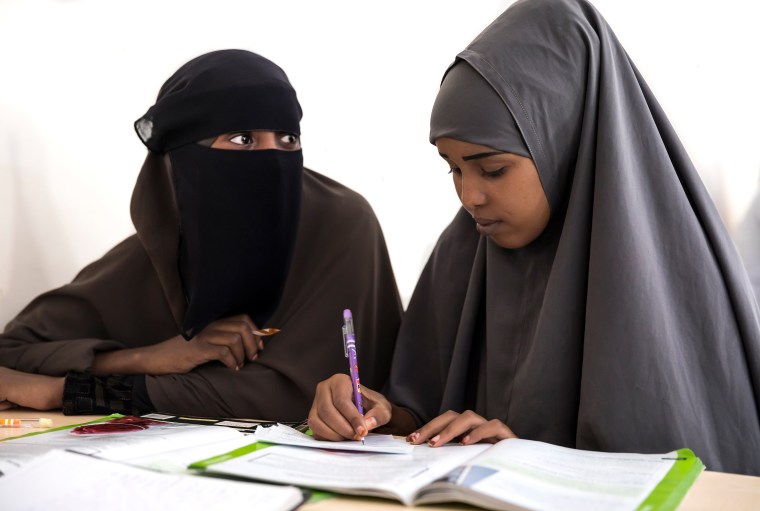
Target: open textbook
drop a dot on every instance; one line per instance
(513, 474)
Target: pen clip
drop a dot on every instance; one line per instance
(345, 340)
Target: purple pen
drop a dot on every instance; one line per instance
(349, 347)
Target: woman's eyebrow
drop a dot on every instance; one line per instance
(481, 155)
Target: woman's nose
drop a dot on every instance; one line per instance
(471, 195)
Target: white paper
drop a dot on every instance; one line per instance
(177, 461)
(541, 476)
(77, 482)
(285, 435)
(399, 475)
(149, 443)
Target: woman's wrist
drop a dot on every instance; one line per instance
(126, 361)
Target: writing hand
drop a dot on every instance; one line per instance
(333, 415)
(468, 426)
(230, 341)
(28, 390)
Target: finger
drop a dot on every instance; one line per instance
(244, 318)
(432, 428)
(377, 409)
(256, 343)
(460, 426)
(332, 424)
(6, 405)
(252, 343)
(249, 343)
(491, 432)
(223, 354)
(335, 406)
(232, 339)
(322, 430)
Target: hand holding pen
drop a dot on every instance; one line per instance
(337, 412)
(349, 348)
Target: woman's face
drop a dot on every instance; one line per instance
(502, 191)
(257, 140)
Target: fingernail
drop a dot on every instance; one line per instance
(434, 440)
(371, 422)
(465, 440)
(261, 345)
(254, 357)
(237, 368)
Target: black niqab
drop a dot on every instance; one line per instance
(238, 210)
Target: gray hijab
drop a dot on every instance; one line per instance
(629, 324)
(467, 108)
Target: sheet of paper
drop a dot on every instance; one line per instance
(151, 442)
(75, 482)
(536, 475)
(351, 472)
(285, 435)
(177, 461)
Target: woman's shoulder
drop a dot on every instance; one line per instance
(321, 187)
(331, 198)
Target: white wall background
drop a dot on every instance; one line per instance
(75, 74)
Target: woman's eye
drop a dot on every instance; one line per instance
(241, 139)
(494, 173)
(454, 170)
(290, 140)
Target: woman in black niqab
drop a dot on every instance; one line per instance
(226, 241)
(629, 323)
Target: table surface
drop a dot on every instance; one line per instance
(711, 491)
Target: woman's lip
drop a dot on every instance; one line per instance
(485, 226)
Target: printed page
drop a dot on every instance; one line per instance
(154, 439)
(540, 476)
(389, 475)
(74, 481)
(177, 461)
(285, 435)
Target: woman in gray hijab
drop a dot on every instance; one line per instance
(587, 294)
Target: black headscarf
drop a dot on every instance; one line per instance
(238, 210)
